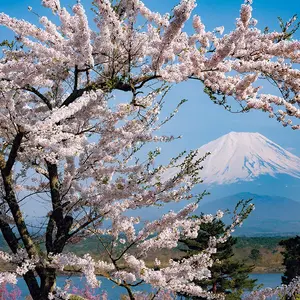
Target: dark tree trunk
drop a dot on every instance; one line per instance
(48, 282)
(57, 220)
(32, 285)
(214, 288)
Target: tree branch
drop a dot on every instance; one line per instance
(9, 236)
(119, 85)
(17, 215)
(84, 225)
(40, 95)
(75, 79)
(13, 244)
(10, 196)
(76, 94)
(13, 153)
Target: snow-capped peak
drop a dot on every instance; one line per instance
(243, 156)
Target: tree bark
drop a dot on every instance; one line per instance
(13, 244)
(48, 282)
(57, 218)
(8, 234)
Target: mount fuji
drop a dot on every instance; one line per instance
(245, 165)
(243, 156)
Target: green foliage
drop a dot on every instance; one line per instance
(228, 275)
(255, 254)
(219, 98)
(291, 258)
(288, 28)
(258, 242)
(7, 44)
(11, 45)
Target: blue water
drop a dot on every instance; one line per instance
(114, 292)
(268, 280)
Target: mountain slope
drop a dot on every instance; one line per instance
(244, 156)
(272, 214)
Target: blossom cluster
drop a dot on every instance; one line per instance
(290, 291)
(164, 50)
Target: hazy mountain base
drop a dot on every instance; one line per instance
(280, 185)
(273, 215)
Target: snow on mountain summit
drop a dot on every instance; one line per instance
(244, 156)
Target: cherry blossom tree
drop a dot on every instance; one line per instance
(69, 134)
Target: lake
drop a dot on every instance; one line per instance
(114, 291)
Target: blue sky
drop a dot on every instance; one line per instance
(200, 121)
